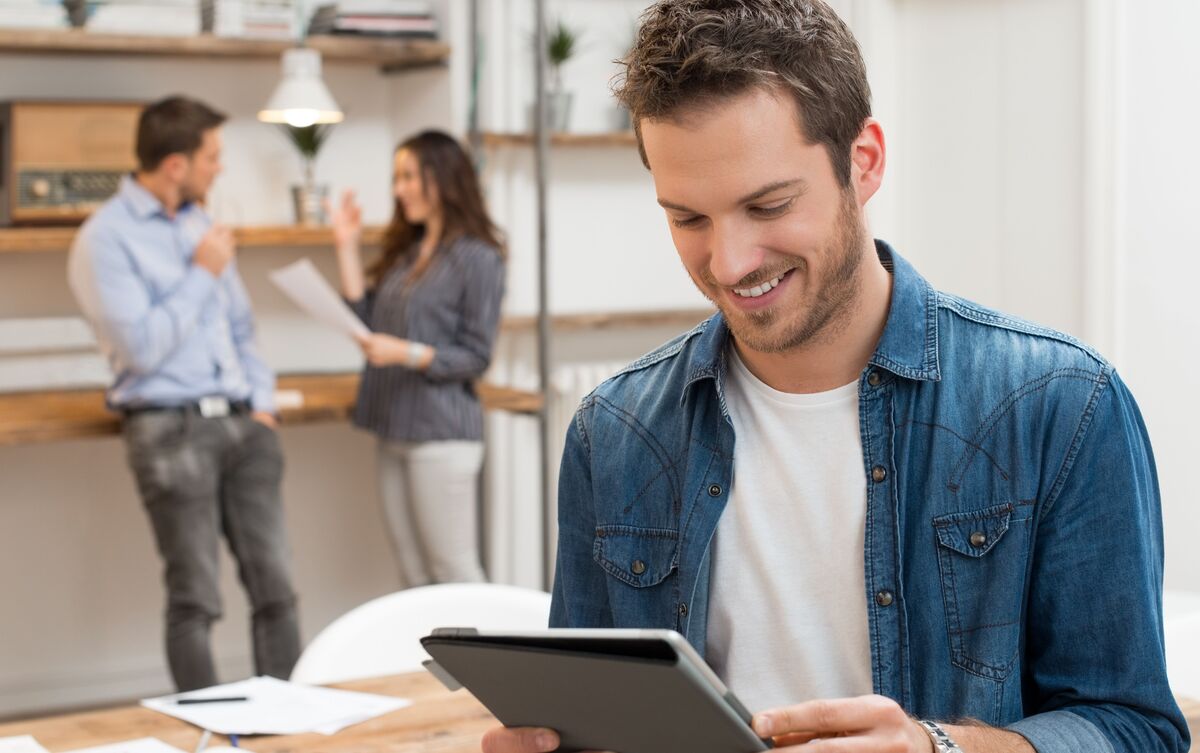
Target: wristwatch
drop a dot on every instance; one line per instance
(415, 354)
(941, 741)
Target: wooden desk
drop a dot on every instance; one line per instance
(438, 722)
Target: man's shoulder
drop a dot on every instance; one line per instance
(1009, 342)
(101, 231)
(668, 367)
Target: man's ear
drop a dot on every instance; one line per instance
(868, 158)
(174, 166)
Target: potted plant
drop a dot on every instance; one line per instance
(562, 42)
(309, 197)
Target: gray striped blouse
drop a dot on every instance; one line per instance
(454, 307)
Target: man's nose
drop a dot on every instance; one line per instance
(734, 254)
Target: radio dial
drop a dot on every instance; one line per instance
(40, 188)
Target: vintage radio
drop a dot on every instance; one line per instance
(61, 160)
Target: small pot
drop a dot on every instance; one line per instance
(308, 200)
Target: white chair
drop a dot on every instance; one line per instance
(382, 636)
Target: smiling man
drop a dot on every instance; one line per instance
(891, 519)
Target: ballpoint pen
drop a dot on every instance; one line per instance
(203, 741)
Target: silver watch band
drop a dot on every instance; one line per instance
(415, 354)
(941, 741)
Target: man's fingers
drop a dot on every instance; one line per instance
(828, 716)
(519, 740)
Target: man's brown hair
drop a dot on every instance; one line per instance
(174, 125)
(691, 53)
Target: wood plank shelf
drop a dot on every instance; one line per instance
(52, 415)
(389, 54)
(616, 138)
(50, 239)
(615, 320)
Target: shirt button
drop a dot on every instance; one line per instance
(682, 609)
(714, 490)
(878, 473)
(638, 567)
(978, 539)
(884, 598)
(874, 379)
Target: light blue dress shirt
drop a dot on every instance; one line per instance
(172, 332)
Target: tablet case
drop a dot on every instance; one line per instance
(625, 695)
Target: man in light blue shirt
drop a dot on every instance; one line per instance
(159, 284)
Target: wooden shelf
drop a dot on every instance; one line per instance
(46, 416)
(48, 239)
(389, 54)
(617, 138)
(575, 322)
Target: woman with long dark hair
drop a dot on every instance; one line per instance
(432, 302)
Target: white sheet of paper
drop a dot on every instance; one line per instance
(141, 745)
(301, 282)
(276, 707)
(20, 744)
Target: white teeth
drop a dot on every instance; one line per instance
(758, 290)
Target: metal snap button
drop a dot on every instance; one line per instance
(683, 610)
(874, 378)
(714, 490)
(878, 473)
(884, 598)
(638, 567)
(979, 539)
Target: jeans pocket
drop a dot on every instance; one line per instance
(639, 557)
(982, 557)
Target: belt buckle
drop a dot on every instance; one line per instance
(214, 407)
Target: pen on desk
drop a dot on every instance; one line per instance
(203, 741)
(214, 699)
(233, 741)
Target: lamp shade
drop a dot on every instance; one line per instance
(301, 99)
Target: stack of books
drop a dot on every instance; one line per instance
(250, 19)
(389, 18)
(33, 14)
(174, 18)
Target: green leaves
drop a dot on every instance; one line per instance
(308, 139)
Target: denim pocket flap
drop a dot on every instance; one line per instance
(973, 534)
(638, 556)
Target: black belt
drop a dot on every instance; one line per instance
(217, 407)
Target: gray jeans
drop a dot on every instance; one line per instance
(200, 478)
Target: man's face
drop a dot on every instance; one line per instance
(759, 219)
(203, 166)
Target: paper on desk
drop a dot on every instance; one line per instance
(301, 282)
(20, 744)
(276, 707)
(141, 745)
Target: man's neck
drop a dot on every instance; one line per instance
(837, 356)
(162, 189)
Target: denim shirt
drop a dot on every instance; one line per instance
(1013, 545)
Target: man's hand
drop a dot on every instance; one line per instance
(519, 740)
(266, 419)
(215, 250)
(867, 724)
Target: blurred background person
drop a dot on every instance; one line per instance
(158, 282)
(432, 302)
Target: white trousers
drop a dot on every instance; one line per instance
(430, 493)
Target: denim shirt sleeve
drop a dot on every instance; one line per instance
(1095, 675)
(580, 594)
(471, 352)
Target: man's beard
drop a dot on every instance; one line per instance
(824, 311)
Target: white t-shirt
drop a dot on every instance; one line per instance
(787, 618)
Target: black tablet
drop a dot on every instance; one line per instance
(630, 691)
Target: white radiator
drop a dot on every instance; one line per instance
(512, 498)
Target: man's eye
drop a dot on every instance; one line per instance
(686, 222)
(774, 210)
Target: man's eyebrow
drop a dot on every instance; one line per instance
(799, 183)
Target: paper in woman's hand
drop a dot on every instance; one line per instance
(302, 283)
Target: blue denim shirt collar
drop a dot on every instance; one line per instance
(908, 347)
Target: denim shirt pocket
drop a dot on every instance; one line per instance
(639, 557)
(982, 565)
